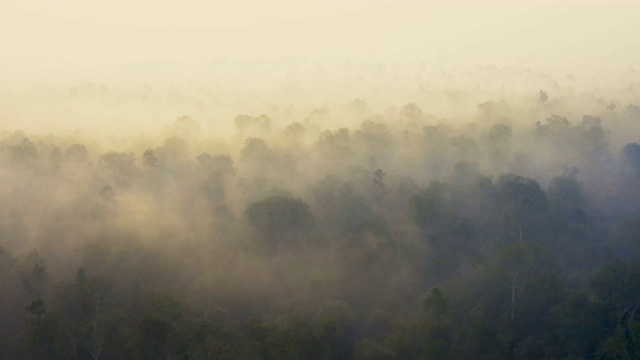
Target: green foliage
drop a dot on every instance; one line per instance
(348, 279)
(121, 166)
(33, 273)
(435, 304)
(428, 207)
(298, 340)
(149, 159)
(281, 221)
(521, 194)
(522, 200)
(370, 350)
(41, 333)
(618, 286)
(411, 113)
(37, 308)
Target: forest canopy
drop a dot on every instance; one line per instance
(353, 229)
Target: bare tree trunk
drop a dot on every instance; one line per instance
(513, 301)
(95, 349)
(72, 338)
(520, 229)
(632, 316)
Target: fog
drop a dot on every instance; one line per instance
(368, 180)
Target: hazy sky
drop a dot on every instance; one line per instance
(531, 33)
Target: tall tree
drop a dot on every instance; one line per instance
(281, 220)
(522, 198)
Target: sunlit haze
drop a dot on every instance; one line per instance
(321, 180)
(524, 33)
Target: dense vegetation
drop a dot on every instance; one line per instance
(401, 238)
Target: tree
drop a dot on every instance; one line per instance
(316, 116)
(294, 132)
(158, 328)
(367, 349)
(429, 336)
(522, 198)
(77, 153)
(41, 331)
(618, 286)
(522, 288)
(107, 193)
(281, 220)
(567, 198)
(579, 325)
(25, 152)
(255, 150)
(218, 170)
(428, 207)
(500, 133)
(149, 159)
(257, 125)
(358, 107)
(555, 126)
(378, 182)
(435, 304)
(55, 158)
(631, 154)
(84, 312)
(464, 144)
(185, 127)
(33, 274)
(219, 165)
(339, 204)
(543, 97)
(120, 164)
(411, 113)
(449, 236)
(335, 145)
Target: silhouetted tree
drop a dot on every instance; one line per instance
(281, 221)
(522, 198)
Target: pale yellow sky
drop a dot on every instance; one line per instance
(125, 43)
(530, 33)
